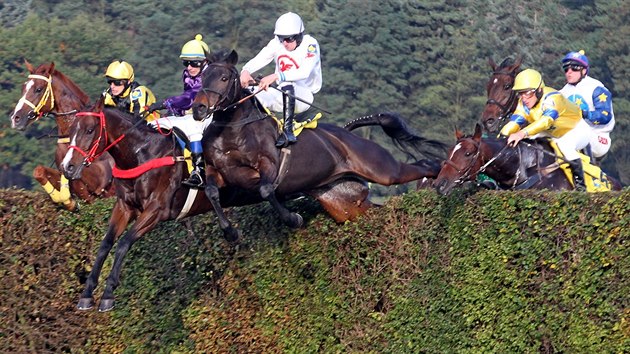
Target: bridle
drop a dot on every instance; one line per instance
(92, 154)
(506, 108)
(231, 92)
(467, 173)
(47, 97)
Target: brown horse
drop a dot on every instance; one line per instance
(530, 165)
(148, 174)
(240, 151)
(502, 100)
(49, 92)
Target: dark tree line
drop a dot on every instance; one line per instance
(424, 59)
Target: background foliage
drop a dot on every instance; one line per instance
(425, 59)
(497, 272)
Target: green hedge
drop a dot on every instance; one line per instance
(492, 272)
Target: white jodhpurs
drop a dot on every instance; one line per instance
(574, 140)
(192, 128)
(272, 98)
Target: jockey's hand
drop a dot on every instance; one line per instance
(246, 79)
(266, 81)
(156, 106)
(514, 138)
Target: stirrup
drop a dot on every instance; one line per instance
(194, 181)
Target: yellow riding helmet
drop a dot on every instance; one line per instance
(120, 70)
(195, 49)
(528, 79)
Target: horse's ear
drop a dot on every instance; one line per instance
(232, 57)
(478, 132)
(458, 134)
(518, 62)
(100, 103)
(29, 66)
(52, 67)
(493, 65)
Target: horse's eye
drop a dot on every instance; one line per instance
(507, 87)
(90, 130)
(224, 78)
(39, 89)
(468, 153)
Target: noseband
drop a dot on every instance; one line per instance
(47, 96)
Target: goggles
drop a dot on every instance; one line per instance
(527, 94)
(193, 63)
(573, 67)
(288, 39)
(118, 82)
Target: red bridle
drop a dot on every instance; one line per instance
(92, 153)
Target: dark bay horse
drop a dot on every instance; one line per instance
(49, 92)
(328, 163)
(502, 100)
(530, 165)
(149, 171)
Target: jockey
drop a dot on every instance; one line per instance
(194, 57)
(124, 93)
(593, 98)
(298, 72)
(543, 111)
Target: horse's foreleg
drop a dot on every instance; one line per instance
(145, 223)
(291, 219)
(230, 233)
(56, 185)
(117, 223)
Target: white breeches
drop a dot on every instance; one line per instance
(600, 143)
(192, 128)
(272, 98)
(574, 140)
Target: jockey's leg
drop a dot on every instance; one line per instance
(288, 109)
(569, 144)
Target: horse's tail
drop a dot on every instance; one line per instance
(404, 138)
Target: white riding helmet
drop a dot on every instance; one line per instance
(289, 24)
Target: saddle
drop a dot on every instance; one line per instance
(594, 178)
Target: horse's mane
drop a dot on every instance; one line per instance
(83, 97)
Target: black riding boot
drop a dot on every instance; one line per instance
(288, 101)
(197, 176)
(578, 174)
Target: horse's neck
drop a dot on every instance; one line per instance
(136, 147)
(69, 99)
(502, 163)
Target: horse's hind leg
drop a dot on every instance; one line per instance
(344, 200)
(56, 185)
(117, 223)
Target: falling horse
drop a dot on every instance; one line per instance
(49, 92)
(328, 163)
(502, 100)
(530, 165)
(148, 174)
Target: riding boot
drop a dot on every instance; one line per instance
(197, 176)
(578, 175)
(288, 102)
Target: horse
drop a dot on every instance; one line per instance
(149, 169)
(50, 92)
(239, 149)
(502, 100)
(530, 165)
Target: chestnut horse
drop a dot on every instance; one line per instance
(148, 174)
(530, 165)
(502, 100)
(239, 149)
(49, 92)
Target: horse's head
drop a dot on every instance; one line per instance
(221, 86)
(37, 96)
(88, 141)
(501, 99)
(464, 161)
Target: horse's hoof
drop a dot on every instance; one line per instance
(85, 303)
(232, 234)
(297, 221)
(106, 305)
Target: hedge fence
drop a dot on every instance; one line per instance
(493, 272)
